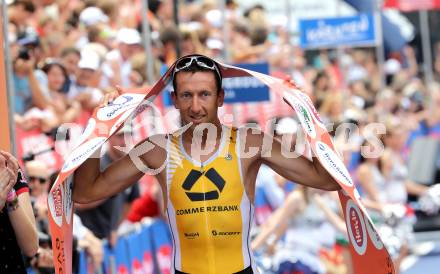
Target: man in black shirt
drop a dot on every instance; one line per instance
(18, 233)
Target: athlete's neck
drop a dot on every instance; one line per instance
(208, 135)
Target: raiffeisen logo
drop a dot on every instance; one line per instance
(333, 164)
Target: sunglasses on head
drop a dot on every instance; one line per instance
(42, 180)
(200, 61)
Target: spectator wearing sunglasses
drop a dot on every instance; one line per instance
(38, 179)
(207, 180)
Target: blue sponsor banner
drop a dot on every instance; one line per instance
(240, 89)
(342, 31)
(162, 245)
(248, 88)
(82, 268)
(122, 258)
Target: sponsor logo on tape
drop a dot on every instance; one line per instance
(67, 201)
(81, 153)
(55, 201)
(302, 113)
(374, 236)
(356, 227)
(312, 108)
(119, 105)
(332, 163)
(304, 117)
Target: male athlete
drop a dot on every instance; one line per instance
(207, 181)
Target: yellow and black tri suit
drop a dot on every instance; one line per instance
(209, 212)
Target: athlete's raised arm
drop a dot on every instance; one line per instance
(90, 184)
(290, 165)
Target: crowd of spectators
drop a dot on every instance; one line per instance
(67, 54)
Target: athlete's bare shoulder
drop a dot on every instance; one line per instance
(252, 142)
(152, 150)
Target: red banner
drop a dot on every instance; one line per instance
(412, 5)
(35, 145)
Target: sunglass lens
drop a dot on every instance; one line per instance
(183, 63)
(40, 179)
(208, 62)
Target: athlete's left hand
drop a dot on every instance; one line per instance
(110, 96)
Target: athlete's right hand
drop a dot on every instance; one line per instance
(110, 96)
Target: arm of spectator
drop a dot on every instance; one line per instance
(7, 179)
(333, 218)
(38, 98)
(387, 163)
(115, 79)
(278, 222)
(416, 189)
(412, 61)
(93, 247)
(44, 258)
(19, 208)
(71, 113)
(249, 52)
(23, 223)
(274, 193)
(88, 241)
(367, 183)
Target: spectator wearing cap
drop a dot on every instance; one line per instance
(117, 67)
(85, 89)
(92, 16)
